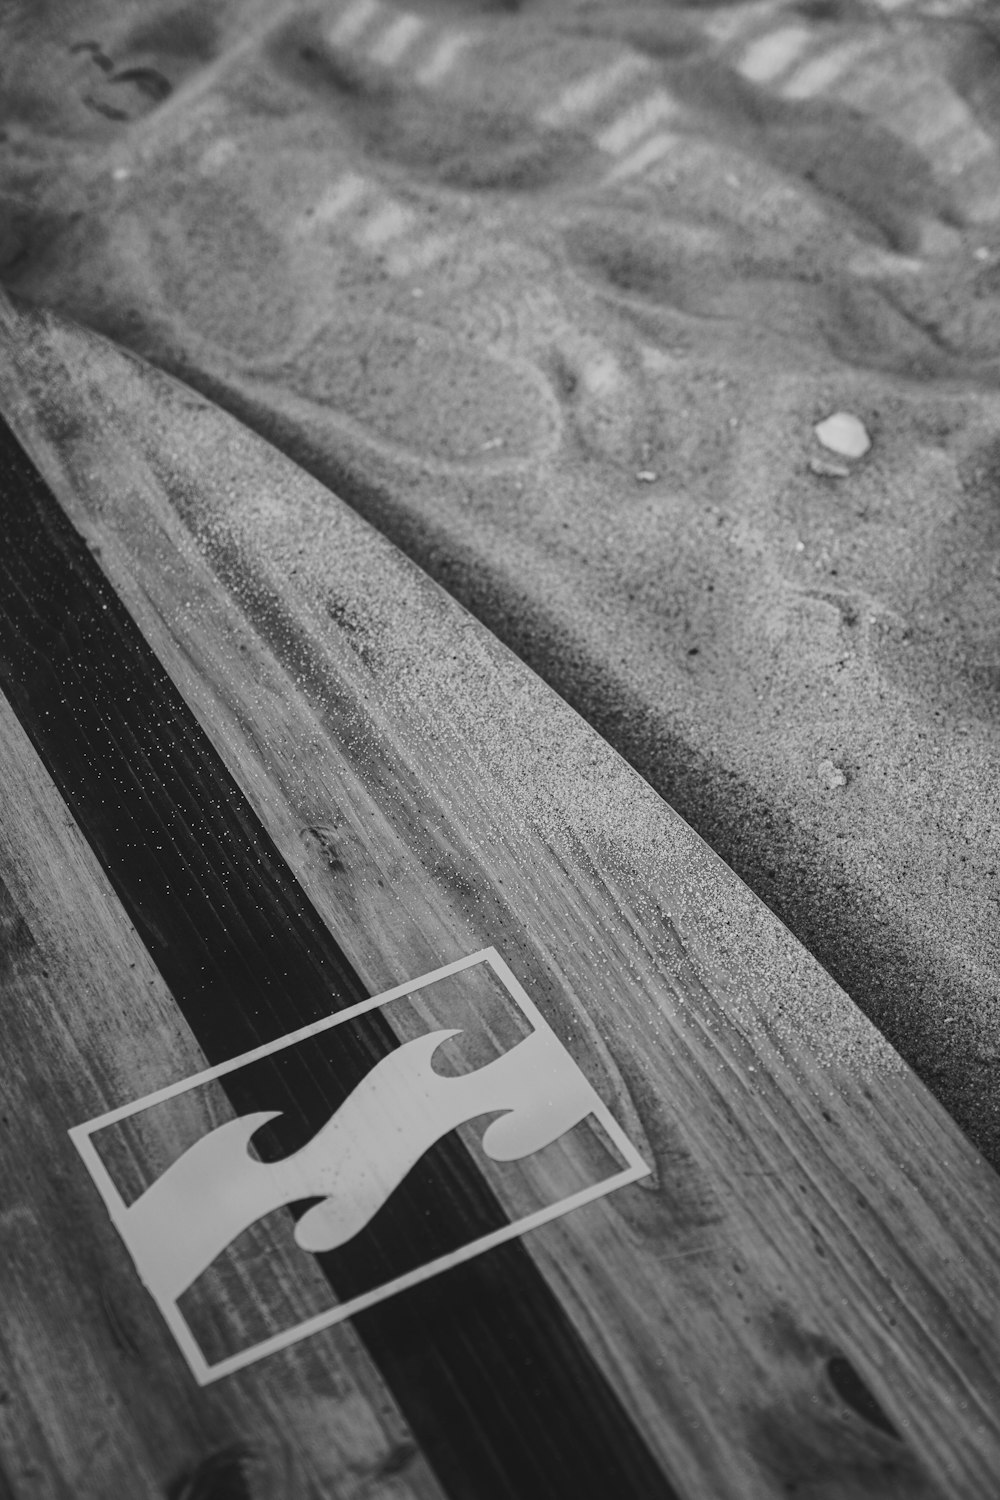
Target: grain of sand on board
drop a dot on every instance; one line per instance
(560, 297)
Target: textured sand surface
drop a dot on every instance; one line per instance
(561, 297)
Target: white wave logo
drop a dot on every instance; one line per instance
(216, 1190)
(195, 1211)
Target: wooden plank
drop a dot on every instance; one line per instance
(247, 958)
(799, 1298)
(97, 1399)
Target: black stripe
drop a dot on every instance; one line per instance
(502, 1395)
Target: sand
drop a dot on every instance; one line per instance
(667, 338)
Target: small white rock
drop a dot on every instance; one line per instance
(844, 434)
(830, 775)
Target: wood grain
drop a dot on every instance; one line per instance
(98, 1402)
(248, 959)
(802, 1298)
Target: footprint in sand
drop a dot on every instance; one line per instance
(937, 107)
(880, 114)
(391, 81)
(415, 392)
(232, 279)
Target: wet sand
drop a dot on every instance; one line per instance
(557, 296)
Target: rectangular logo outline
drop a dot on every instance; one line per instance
(206, 1373)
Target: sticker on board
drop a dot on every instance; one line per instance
(273, 1195)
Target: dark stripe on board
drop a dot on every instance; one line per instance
(502, 1395)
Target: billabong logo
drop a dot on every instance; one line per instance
(195, 1224)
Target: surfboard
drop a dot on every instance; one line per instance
(400, 1100)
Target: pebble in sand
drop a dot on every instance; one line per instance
(845, 434)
